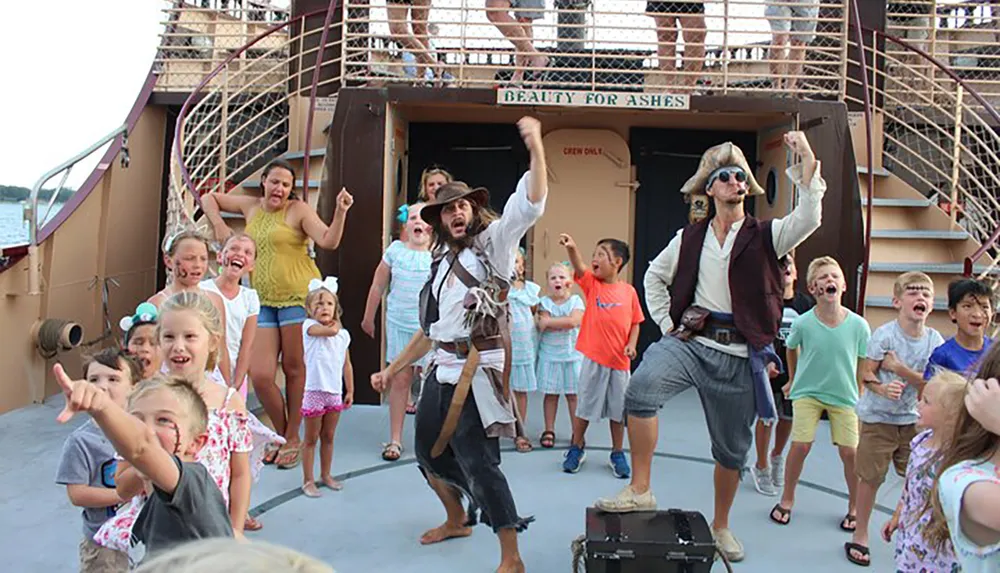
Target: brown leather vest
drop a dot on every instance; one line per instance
(754, 279)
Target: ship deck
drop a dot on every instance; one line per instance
(375, 522)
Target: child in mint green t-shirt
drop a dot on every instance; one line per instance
(824, 347)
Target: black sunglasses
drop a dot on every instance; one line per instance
(738, 173)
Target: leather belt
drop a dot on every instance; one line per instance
(460, 348)
(723, 333)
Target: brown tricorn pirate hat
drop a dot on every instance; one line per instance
(449, 192)
(722, 155)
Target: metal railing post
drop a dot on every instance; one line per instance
(224, 131)
(956, 156)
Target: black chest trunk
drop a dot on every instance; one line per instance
(671, 541)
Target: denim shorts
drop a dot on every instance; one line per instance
(275, 316)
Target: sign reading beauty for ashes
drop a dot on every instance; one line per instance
(593, 99)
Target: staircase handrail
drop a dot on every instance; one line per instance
(866, 260)
(196, 93)
(982, 102)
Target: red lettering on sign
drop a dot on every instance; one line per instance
(588, 151)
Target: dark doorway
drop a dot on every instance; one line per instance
(487, 155)
(664, 160)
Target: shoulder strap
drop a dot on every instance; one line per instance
(229, 395)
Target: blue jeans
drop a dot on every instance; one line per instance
(275, 316)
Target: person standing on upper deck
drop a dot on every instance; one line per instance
(720, 317)
(691, 18)
(794, 26)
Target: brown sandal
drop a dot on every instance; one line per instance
(783, 513)
(392, 451)
(523, 444)
(548, 439)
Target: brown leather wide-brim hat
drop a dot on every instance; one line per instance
(448, 193)
(722, 155)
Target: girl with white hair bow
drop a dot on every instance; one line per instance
(329, 380)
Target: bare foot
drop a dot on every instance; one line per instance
(444, 532)
(539, 62)
(511, 566)
(331, 483)
(310, 490)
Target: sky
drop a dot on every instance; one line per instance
(73, 72)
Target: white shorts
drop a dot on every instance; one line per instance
(802, 27)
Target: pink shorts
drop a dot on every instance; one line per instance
(317, 403)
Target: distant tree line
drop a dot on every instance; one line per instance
(13, 194)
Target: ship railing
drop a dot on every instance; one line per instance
(594, 45)
(250, 108)
(963, 35)
(939, 136)
(198, 35)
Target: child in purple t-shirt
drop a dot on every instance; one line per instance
(970, 306)
(939, 405)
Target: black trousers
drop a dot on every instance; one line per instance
(471, 462)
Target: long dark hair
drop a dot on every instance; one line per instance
(482, 216)
(281, 164)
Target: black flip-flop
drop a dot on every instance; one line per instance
(785, 513)
(849, 517)
(849, 546)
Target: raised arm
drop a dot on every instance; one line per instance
(326, 237)
(575, 259)
(527, 203)
(380, 281)
(213, 204)
(131, 438)
(531, 133)
(659, 276)
(788, 232)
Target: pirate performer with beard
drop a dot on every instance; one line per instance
(716, 293)
(466, 406)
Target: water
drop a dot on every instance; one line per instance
(13, 227)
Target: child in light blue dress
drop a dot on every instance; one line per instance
(558, 370)
(523, 298)
(405, 267)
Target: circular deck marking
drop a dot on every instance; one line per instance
(291, 494)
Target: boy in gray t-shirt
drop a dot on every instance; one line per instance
(165, 428)
(898, 352)
(87, 466)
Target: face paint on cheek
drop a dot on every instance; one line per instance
(177, 438)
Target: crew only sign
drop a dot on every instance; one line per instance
(594, 99)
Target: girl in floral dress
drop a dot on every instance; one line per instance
(190, 337)
(938, 407)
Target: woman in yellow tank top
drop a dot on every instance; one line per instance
(282, 226)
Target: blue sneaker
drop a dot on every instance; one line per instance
(574, 459)
(619, 465)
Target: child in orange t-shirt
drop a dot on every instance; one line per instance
(608, 337)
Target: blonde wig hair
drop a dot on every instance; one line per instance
(210, 318)
(227, 554)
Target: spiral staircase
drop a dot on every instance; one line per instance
(253, 91)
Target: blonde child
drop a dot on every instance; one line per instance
(431, 180)
(825, 346)
(524, 301)
(141, 340)
(88, 463)
(160, 435)
(898, 353)
(559, 317)
(938, 408)
(241, 304)
(966, 497)
(329, 381)
(404, 269)
(186, 257)
(215, 555)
